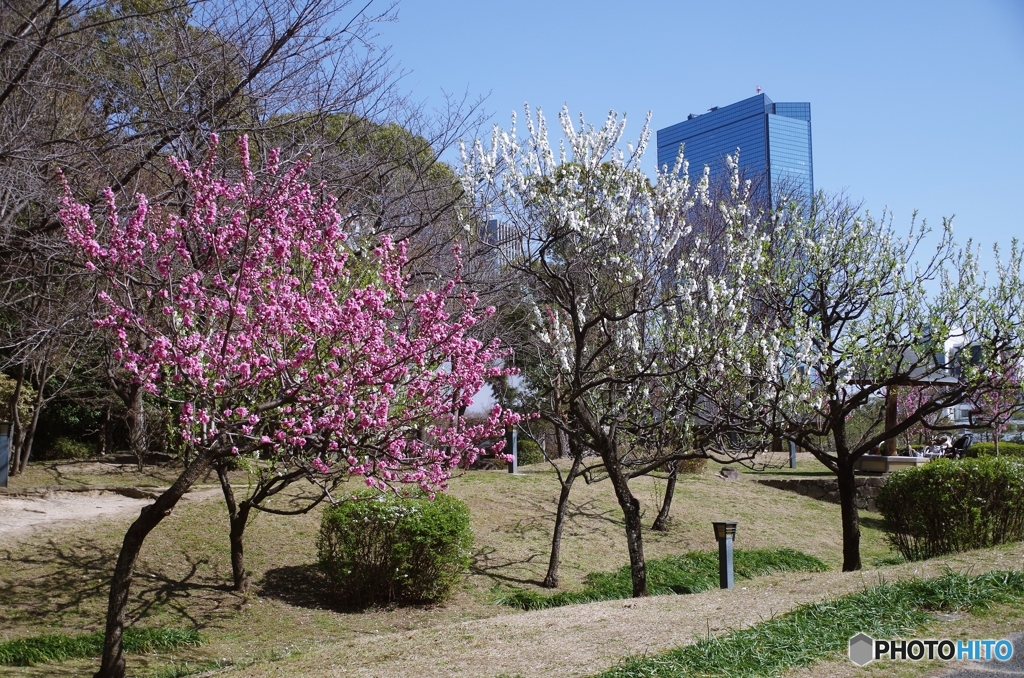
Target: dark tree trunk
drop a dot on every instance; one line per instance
(29, 436)
(850, 516)
(238, 515)
(630, 506)
(606, 445)
(107, 431)
(661, 522)
(137, 439)
(551, 578)
(17, 427)
(848, 490)
(112, 663)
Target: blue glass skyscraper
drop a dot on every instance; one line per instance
(774, 141)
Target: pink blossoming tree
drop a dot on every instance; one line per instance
(247, 310)
(995, 405)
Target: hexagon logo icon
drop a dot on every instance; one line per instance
(862, 649)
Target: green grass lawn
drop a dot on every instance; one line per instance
(56, 581)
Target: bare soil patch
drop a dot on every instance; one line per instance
(25, 514)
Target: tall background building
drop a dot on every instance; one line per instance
(774, 141)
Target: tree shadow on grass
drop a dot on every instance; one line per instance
(542, 514)
(590, 510)
(789, 473)
(871, 521)
(497, 570)
(67, 583)
(158, 591)
(52, 581)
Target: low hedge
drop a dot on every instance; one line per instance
(694, 466)
(948, 506)
(528, 452)
(989, 449)
(691, 572)
(379, 548)
(58, 647)
(68, 449)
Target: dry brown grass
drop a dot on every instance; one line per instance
(94, 472)
(285, 625)
(585, 639)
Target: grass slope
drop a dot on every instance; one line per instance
(56, 581)
(821, 630)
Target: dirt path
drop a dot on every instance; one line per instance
(23, 516)
(581, 640)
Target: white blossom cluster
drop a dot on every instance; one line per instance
(628, 301)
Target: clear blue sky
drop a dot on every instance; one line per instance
(915, 105)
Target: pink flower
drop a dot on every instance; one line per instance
(261, 333)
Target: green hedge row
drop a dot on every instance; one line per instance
(691, 572)
(948, 506)
(379, 548)
(989, 449)
(57, 647)
(529, 452)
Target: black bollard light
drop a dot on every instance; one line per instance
(5, 451)
(725, 532)
(512, 448)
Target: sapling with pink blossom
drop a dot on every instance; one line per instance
(247, 310)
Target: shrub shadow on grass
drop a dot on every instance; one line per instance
(307, 586)
(299, 585)
(871, 521)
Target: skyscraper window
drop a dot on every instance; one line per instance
(774, 141)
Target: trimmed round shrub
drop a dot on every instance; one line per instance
(948, 506)
(695, 466)
(379, 548)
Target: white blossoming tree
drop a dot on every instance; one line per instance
(857, 319)
(632, 310)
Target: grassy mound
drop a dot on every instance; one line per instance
(819, 630)
(689, 573)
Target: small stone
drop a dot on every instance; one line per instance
(729, 473)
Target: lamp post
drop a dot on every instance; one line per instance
(5, 451)
(725, 532)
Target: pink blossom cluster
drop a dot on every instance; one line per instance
(248, 309)
(997, 400)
